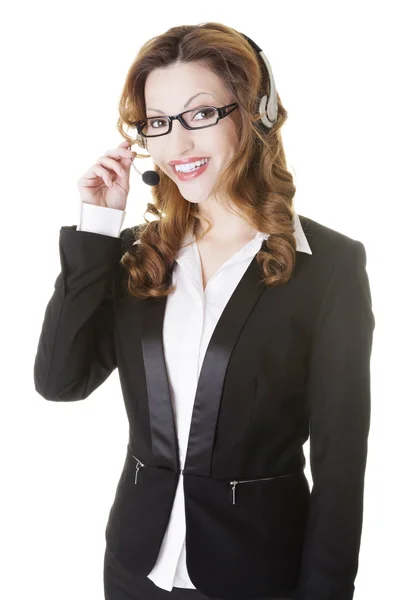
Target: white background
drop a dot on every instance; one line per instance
(63, 68)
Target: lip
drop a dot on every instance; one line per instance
(192, 174)
(184, 161)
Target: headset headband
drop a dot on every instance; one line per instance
(272, 102)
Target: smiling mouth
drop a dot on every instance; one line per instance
(206, 161)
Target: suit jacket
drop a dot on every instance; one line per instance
(283, 365)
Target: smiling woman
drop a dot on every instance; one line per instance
(250, 339)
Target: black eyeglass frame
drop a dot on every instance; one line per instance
(222, 112)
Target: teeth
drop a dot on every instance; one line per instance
(185, 168)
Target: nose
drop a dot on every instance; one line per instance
(180, 139)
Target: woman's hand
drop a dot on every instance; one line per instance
(106, 182)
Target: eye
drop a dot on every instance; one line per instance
(207, 111)
(152, 121)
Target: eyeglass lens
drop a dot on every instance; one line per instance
(198, 117)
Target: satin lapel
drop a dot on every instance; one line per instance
(164, 438)
(211, 379)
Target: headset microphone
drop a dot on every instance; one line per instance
(149, 177)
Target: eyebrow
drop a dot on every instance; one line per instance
(186, 104)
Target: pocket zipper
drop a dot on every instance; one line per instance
(140, 465)
(235, 482)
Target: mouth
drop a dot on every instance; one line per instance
(190, 171)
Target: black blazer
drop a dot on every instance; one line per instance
(282, 364)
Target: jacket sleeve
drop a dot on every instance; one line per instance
(338, 399)
(76, 352)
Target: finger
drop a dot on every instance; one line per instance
(123, 156)
(103, 173)
(118, 153)
(112, 164)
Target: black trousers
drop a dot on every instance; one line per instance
(119, 584)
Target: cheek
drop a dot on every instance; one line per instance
(167, 171)
(226, 143)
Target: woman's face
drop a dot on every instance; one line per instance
(167, 90)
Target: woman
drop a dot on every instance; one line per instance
(233, 342)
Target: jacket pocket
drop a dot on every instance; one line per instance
(235, 482)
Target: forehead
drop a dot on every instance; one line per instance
(167, 89)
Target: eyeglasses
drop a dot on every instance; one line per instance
(157, 126)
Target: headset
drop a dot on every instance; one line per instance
(268, 105)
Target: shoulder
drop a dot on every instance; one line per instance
(336, 275)
(337, 265)
(330, 246)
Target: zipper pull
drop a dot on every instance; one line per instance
(138, 466)
(233, 484)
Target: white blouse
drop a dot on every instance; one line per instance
(190, 318)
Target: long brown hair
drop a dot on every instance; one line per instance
(256, 181)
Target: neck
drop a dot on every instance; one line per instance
(225, 226)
